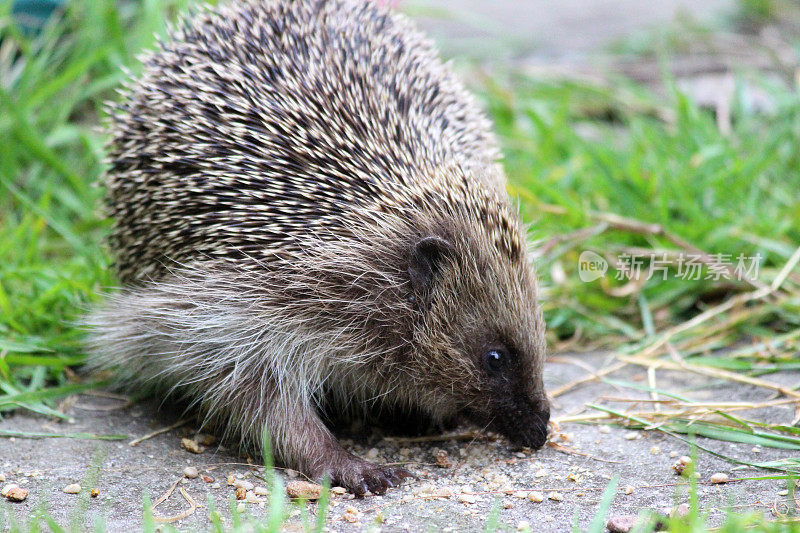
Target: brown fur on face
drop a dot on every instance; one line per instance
(480, 298)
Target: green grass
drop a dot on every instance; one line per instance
(52, 89)
(579, 156)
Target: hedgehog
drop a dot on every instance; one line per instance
(310, 216)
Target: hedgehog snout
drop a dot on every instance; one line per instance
(525, 424)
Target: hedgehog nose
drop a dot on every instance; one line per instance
(533, 434)
(527, 425)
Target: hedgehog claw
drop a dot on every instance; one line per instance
(364, 477)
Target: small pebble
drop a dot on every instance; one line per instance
(2, 477)
(303, 489)
(191, 446)
(190, 472)
(240, 508)
(243, 484)
(467, 498)
(251, 497)
(263, 491)
(72, 488)
(655, 450)
(338, 491)
(521, 494)
(628, 490)
(523, 525)
(605, 429)
(621, 523)
(719, 478)
(241, 493)
(216, 485)
(372, 454)
(631, 436)
(680, 511)
(208, 479)
(555, 496)
(784, 492)
(94, 493)
(443, 492)
(536, 496)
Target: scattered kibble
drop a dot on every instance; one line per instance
(191, 446)
(240, 507)
(303, 489)
(605, 429)
(628, 490)
(443, 460)
(655, 450)
(241, 493)
(72, 488)
(190, 472)
(2, 477)
(555, 496)
(521, 494)
(523, 525)
(350, 514)
(263, 491)
(338, 491)
(14, 493)
(631, 436)
(208, 479)
(719, 478)
(94, 493)
(680, 465)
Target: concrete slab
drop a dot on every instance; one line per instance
(488, 472)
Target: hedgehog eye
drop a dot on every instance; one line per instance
(495, 361)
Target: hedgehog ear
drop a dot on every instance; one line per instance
(426, 257)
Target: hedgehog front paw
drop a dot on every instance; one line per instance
(359, 476)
